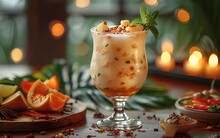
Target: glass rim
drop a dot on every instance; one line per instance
(126, 33)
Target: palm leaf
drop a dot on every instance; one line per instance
(76, 82)
(151, 95)
(81, 95)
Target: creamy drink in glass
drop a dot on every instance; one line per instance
(119, 68)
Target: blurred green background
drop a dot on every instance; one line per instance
(202, 29)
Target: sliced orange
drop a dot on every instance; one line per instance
(16, 101)
(25, 85)
(42, 98)
(53, 83)
(56, 102)
(61, 95)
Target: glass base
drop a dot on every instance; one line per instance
(119, 121)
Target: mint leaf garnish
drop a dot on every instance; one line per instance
(155, 14)
(147, 20)
(144, 13)
(136, 21)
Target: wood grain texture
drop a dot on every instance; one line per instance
(25, 123)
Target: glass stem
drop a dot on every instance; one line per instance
(119, 107)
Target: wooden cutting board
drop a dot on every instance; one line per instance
(25, 123)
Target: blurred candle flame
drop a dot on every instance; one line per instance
(194, 65)
(193, 60)
(198, 54)
(165, 57)
(213, 69)
(167, 45)
(165, 61)
(193, 49)
(213, 60)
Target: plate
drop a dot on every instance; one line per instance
(197, 114)
(25, 123)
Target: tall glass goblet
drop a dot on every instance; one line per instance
(118, 69)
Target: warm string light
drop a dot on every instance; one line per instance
(183, 15)
(82, 3)
(151, 2)
(56, 28)
(17, 55)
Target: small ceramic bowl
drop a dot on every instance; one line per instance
(172, 129)
(197, 114)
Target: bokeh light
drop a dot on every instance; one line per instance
(17, 55)
(183, 15)
(57, 28)
(167, 45)
(193, 49)
(193, 60)
(82, 3)
(198, 54)
(151, 2)
(82, 49)
(165, 57)
(213, 60)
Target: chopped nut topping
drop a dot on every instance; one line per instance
(124, 27)
(178, 119)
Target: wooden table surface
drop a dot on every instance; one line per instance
(151, 128)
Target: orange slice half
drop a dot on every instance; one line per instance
(42, 98)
